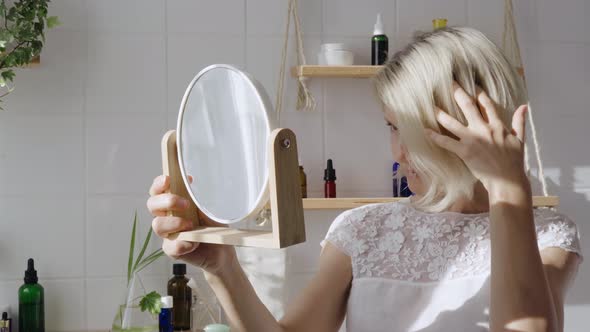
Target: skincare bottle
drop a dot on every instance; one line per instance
(165, 316)
(5, 323)
(31, 311)
(181, 293)
(439, 23)
(396, 191)
(379, 44)
(303, 181)
(400, 185)
(330, 181)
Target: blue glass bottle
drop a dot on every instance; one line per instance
(165, 317)
(400, 186)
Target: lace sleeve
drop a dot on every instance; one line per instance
(342, 232)
(556, 230)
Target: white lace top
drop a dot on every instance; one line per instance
(420, 271)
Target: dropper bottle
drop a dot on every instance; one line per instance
(330, 181)
(31, 309)
(379, 44)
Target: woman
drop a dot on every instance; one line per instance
(466, 253)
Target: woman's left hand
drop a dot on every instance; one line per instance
(493, 153)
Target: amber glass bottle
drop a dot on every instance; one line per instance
(182, 297)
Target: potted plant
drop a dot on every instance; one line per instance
(139, 312)
(22, 34)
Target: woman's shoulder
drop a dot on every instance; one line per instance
(356, 225)
(370, 213)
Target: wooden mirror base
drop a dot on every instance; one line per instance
(286, 206)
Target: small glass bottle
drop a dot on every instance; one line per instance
(330, 181)
(303, 181)
(31, 306)
(181, 294)
(379, 44)
(165, 316)
(439, 23)
(5, 323)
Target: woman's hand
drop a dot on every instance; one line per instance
(213, 258)
(493, 153)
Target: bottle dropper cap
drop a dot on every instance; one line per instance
(179, 269)
(378, 29)
(31, 273)
(330, 172)
(167, 302)
(5, 316)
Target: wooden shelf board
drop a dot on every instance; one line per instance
(351, 203)
(231, 236)
(335, 71)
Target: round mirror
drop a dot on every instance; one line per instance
(222, 136)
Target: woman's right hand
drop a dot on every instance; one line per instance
(213, 258)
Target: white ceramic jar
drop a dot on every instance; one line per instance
(335, 54)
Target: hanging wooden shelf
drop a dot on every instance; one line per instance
(335, 71)
(351, 203)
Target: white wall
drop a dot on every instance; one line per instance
(79, 137)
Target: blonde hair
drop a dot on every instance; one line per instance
(420, 77)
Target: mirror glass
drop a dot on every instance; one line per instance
(223, 128)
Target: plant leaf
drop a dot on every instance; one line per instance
(53, 21)
(148, 261)
(144, 247)
(151, 302)
(131, 248)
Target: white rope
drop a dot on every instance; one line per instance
(279, 96)
(512, 51)
(305, 100)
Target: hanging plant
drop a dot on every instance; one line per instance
(22, 34)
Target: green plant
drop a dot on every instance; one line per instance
(150, 301)
(22, 34)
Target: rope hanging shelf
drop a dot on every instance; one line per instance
(305, 101)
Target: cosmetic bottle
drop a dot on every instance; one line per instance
(165, 316)
(5, 323)
(439, 23)
(31, 311)
(330, 181)
(303, 181)
(181, 293)
(379, 44)
(395, 180)
(400, 184)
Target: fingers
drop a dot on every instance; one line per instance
(467, 105)
(519, 122)
(444, 142)
(176, 248)
(163, 203)
(450, 123)
(166, 225)
(160, 185)
(488, 107)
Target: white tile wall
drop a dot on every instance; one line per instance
(220, 17)
(117, 62)
(123, 151)
(79, 139)
(41, 154)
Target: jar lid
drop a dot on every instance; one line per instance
(167, 302)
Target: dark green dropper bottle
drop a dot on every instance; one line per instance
(379, 44)
(31, 312)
